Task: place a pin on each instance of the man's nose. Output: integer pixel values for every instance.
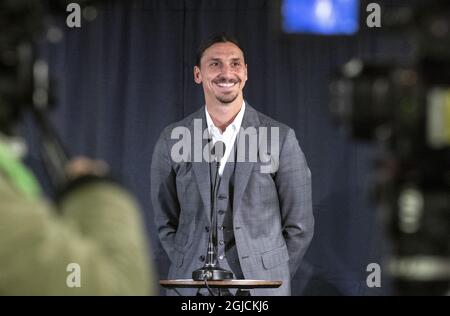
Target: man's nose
(225, 70)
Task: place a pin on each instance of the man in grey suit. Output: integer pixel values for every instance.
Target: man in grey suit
(264, 208)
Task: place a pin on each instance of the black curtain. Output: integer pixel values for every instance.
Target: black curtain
(123, 77)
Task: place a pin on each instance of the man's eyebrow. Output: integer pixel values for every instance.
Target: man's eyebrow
(214, 59)
(220, 59)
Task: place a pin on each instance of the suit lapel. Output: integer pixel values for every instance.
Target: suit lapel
(244, 169)
(201, 169)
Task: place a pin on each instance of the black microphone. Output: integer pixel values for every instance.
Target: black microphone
(211, 270)
(218, 151)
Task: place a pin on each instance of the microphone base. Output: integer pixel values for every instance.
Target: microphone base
(212, 274)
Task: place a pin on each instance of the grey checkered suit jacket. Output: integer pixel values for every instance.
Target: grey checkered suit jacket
(272, 212)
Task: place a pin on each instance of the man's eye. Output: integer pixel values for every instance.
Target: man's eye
(214, 64)
(236, 64)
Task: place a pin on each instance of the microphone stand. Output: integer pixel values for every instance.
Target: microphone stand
(212, 270)
(54, 154)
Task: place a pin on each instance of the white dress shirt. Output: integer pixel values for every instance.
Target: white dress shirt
(228, 136)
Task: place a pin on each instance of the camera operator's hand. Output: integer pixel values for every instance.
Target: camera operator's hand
(81, 171)
(83, 166)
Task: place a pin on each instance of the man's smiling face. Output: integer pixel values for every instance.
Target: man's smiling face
(222, 72)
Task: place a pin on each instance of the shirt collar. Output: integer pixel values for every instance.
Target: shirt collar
(236, 124)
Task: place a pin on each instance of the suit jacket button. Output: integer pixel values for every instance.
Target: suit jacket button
(202, 258)
(221, 212)
(207, 229)
(222, 197)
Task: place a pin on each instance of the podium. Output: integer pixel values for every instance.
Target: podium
(224, 284)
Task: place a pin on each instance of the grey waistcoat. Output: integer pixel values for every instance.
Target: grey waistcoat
(228, 257)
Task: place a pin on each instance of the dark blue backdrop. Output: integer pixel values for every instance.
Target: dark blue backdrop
(124, 76)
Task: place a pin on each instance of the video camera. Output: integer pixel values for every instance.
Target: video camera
(25, 83)
(405, 106)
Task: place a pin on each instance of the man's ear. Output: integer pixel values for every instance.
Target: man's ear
(246, 72)
(197, 75)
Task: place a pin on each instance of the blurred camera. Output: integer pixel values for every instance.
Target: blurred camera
(406, 108)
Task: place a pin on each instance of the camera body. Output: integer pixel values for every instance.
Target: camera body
(405, 107)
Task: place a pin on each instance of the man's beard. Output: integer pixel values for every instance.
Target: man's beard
(227, 99)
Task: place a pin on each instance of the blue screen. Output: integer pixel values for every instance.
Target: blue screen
(328, 17)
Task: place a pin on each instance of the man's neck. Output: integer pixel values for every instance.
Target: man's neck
(223, 115)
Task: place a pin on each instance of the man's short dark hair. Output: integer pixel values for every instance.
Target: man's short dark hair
(215, 38)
